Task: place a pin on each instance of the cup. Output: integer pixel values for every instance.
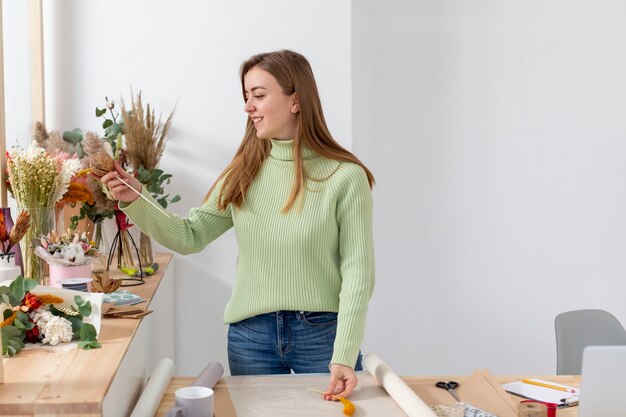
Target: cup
(195, 401)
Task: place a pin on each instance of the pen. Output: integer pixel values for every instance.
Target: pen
(542, 384)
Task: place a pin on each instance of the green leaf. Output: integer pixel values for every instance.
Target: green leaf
(77, 323)
(100, 112)
(107, 123)
(85, 309)
(23, 317)
(17, 290)
(92, 344)
(79, 150)
(7, 313)
(111, 133)
(73, 136)
(88, 332)
(12, 340)
(18, 324)
(156, 173)
(176, 199)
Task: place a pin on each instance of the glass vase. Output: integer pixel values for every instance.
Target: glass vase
(41, 222)
(125, 249)
(100, 239)
(145, 250)
(101, 243)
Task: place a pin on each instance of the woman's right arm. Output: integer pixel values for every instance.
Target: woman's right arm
(183, 235)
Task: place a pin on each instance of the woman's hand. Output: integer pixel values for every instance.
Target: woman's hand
(343, 381)
(119, 190)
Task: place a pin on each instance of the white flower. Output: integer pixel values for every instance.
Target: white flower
(54, 328)
(70, 167)
(58, 330)
(34, 150)
(74, 253)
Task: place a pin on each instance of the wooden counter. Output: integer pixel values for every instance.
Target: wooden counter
(98, 382)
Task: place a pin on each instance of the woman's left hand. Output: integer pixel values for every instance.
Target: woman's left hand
(343, 381)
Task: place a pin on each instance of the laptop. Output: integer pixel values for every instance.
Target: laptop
(602, 385)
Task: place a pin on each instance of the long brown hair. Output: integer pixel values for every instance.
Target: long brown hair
(294, 75)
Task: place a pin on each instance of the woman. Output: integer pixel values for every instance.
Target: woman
(302, 210)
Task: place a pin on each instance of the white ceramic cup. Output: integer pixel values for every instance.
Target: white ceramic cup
(195, 401)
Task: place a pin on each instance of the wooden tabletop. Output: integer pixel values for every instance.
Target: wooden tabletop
(221, 408)
(59, 381)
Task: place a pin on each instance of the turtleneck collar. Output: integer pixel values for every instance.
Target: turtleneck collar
(283, 150)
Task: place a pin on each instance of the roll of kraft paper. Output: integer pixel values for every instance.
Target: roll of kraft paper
(154, 390)
(209, 377)
(404, 396)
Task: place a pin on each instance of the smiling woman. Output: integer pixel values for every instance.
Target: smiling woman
(301, 207)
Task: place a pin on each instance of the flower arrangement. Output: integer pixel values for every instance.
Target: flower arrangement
(42, 318)
(67, 249)
(96, 206)
(38, 180)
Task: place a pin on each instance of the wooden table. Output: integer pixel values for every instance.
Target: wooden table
(60, 382)
(179, 382)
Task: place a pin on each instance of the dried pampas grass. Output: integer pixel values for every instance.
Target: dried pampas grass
(52, 141)
(145, 134)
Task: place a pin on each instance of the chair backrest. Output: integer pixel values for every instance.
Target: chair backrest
(578, 329)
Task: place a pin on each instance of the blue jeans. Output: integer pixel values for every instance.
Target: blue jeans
(283, 341)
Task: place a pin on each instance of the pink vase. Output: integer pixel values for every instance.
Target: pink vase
(60, 272)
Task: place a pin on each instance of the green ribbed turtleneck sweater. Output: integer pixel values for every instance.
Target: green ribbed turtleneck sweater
(319, 258)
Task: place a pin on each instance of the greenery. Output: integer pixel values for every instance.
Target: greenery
(115, 130)
(155, 180)
(20, 322)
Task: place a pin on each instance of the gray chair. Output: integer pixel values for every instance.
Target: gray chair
(578, 329)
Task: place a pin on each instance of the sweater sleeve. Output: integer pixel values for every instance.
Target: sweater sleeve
(356, 251)
(183, 235)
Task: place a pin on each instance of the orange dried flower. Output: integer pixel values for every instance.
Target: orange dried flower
(348, 407)
(19, 228)
(9, 320)
(49, 299)
(3, 230)
(76, 193)
(31, 301)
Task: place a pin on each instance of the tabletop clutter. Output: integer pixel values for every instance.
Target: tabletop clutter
(381, 392)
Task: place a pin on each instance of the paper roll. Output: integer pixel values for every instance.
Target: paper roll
(397, 389)
(209, 376)
(154, 390)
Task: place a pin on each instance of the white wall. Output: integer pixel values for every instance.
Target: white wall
(496, 130)
(17, 92)
(187, 54)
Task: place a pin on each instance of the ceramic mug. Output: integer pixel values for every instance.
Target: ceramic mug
(193, 402)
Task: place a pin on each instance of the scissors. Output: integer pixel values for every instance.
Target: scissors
(451, 386)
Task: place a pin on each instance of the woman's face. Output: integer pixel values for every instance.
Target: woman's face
(272, 112)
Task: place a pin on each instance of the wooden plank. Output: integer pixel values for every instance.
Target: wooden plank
(3, 132)
(57, 382)
(38, 104)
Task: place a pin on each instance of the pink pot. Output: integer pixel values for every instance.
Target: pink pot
(60, 272)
